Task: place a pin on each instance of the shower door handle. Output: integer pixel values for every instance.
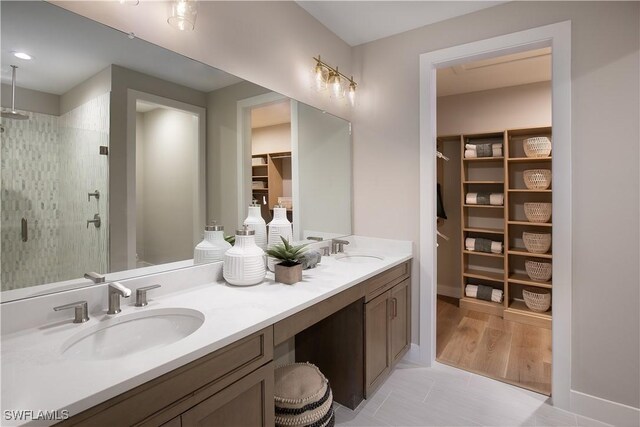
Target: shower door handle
(24, 230)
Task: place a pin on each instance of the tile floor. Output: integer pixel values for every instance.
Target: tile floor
(446, 396)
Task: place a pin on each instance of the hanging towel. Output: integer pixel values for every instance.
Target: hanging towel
(440, 210)
(486, 293)
(482, 245)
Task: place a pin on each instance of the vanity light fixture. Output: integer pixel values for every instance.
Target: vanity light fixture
(183, 14)
(22, 55)
(130, 2)
(324, 75)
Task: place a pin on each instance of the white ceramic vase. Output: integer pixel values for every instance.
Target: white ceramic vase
(256, 223)
(244, 263)
(279, 226)
(213, 247)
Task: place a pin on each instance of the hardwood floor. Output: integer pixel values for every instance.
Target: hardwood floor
(508, 351)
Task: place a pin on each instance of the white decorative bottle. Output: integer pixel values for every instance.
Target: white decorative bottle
(257, 224)
(279, 226)
(244, 262)
(213, 247)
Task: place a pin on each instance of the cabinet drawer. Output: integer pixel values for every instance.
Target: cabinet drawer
(386, 280)
(166, 397)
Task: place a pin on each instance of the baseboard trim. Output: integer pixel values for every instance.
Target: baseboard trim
(604, 410)
(413, 355)
(449, 291)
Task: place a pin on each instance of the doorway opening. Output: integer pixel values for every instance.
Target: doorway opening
(271, 157)
(493, 306)
(167, 153)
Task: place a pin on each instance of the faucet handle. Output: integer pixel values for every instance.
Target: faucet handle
(81, 310)
(317, 239)
(141, 295)
(337, 245)
(95, 277)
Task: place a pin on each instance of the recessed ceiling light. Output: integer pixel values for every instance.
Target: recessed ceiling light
(22, 55)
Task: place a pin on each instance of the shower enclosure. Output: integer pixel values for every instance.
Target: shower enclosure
(54, 187)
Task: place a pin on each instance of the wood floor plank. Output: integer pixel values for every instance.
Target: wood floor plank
(464, 343)
(493, 353)
(509, 351)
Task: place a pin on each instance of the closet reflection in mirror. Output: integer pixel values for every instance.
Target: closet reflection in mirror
(147, 141)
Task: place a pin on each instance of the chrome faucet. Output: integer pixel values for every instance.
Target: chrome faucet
(117, 290)
(337, 245)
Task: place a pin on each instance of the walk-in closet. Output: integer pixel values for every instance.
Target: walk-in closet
(494, 219)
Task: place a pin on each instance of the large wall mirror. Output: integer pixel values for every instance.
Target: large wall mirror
(121, 151)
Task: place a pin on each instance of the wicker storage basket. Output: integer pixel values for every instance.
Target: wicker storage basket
(537, 299)
(537, 212)
(540, 146)
(537, 270)
(537, 179)
(537, 243)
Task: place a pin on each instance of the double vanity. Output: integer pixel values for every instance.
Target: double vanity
(202, 352)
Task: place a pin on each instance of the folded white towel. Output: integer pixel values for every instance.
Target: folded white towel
(471, 151)
(496, 199)
(471, 198)
(472, 292)
(470, 154)
(470, 245)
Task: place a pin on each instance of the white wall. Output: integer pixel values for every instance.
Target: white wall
(271, 139)
(495, 110)
(169, 140)
(605, 111)
(31, 100)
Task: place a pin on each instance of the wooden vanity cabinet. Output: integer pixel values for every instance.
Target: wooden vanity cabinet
(231, 386)
(387, 323)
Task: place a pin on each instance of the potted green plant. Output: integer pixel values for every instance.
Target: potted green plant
(289, 269)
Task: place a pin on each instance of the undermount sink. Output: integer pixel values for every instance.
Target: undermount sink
(358, 258)
(132, 333)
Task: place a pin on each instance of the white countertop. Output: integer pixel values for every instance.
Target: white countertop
(35, 376)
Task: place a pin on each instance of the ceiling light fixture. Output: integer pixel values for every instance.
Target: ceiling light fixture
(325, 76)
(183, 14)
(22, 55)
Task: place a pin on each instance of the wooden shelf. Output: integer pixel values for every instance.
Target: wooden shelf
(524, 252)
(484, 275)
(529, 159)
(260, 176)
(519, 312)
(484, 230)
(523, 279)
(482, 159)
(259, 189)
(525, 190)
(483, 254)
(534, 224)
(484, 206)
(482, 306)
(484, 182)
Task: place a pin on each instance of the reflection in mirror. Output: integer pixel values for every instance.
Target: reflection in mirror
(129, 149)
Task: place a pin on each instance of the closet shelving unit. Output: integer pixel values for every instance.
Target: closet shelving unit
(502, 223)
(271, 172)
(517, 194)
(482, 174)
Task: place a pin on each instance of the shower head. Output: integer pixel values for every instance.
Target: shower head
(13, 114)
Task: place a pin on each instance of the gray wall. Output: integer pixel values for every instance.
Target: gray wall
(168, 141)
(222, 143)
(31, 100)
(605, 111)
(122, 174)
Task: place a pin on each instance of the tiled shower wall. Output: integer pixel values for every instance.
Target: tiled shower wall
(49, 165)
